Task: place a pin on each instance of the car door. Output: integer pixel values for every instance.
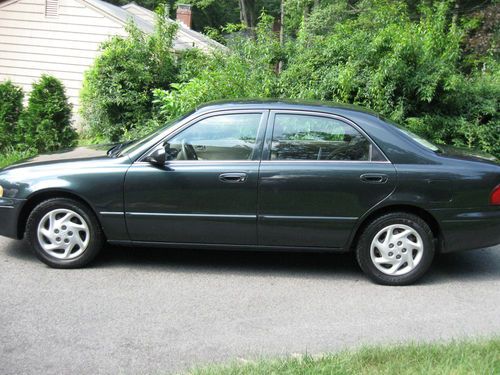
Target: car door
(319, 174)
(207, 193)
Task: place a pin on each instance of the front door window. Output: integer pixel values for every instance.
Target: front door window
(222, 137)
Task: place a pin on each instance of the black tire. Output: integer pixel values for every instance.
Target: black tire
(95, 241)
(363, 248)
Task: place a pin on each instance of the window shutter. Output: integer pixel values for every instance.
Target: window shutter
(51, 8)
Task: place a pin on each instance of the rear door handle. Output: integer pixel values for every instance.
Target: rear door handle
(374, 178)
(233, 177)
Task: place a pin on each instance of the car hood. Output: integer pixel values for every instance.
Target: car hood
(84, 153)
(468, 154)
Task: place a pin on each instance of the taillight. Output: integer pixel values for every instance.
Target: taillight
(495, 196)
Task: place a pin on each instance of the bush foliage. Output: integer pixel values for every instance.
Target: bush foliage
(117, 92)
(11, 106)
(410, 65)
(408, 70)
(246, 72)
(45, 125)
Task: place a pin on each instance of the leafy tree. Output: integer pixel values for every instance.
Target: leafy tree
(482, 41)
(210, 14)
(378, 55)
(466, 116)
(206, 13)
(117, 90)
(11, 106)
(374, 53)
(246, 72)
(46, 123)
(216, 14)
(380, 59)
(407, 59)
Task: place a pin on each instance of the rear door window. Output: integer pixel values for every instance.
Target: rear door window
(310, 137)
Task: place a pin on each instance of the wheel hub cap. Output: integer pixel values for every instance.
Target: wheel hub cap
(63, 234)
(396, 250)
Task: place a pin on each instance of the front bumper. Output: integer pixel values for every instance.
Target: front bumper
(10, 210)
(467, 229)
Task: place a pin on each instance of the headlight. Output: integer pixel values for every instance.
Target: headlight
(1, 191)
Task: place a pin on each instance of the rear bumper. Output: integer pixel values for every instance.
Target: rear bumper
(467, 229)
(9, 216)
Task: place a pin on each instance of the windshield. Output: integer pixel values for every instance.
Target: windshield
(136, 144)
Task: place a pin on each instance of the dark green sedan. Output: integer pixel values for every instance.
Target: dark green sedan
(267, 175)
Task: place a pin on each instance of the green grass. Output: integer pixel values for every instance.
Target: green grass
(13, 156)
(477, 357)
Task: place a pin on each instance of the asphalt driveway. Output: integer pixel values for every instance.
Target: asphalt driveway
(149, 311)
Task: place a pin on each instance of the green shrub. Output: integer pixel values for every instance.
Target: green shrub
(11, 155)
(117, 90)
(466, 116)
(11, 106)
(46, 123)
(380, 59)
(247, 71)
(190, 62)
(411, 71)
(409, 64)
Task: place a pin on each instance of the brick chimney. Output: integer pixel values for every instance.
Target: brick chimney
(184, 14)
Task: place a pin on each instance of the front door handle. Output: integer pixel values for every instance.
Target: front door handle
(233, 177)
(374, 178)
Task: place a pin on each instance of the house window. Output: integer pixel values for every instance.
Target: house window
(51, 8)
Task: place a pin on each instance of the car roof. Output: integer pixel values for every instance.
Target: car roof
(284, 104)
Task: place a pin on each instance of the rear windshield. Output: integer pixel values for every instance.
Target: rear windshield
(421, 141)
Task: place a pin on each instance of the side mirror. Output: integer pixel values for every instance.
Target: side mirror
(157, 158)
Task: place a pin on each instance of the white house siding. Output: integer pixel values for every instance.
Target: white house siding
(64, 46)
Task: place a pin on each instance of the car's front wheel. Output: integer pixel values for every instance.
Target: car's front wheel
(64, 233)
(396, 249)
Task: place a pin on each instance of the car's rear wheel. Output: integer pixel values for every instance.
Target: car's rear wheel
(396, 249)
(64, 233)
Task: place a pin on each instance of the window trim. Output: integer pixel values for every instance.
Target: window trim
(259, 140)
(266, 152)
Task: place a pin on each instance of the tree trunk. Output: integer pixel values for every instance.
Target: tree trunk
(247, 13)
(282, 32)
